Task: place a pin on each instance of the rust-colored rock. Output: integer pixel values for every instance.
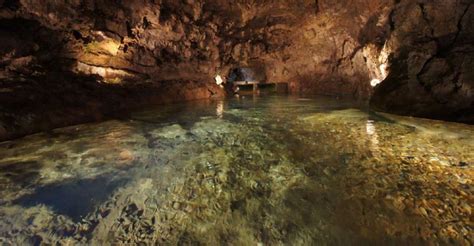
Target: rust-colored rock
(419, 52)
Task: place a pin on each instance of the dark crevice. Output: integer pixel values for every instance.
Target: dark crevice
(459, 24)
(391, 19)
(13, 5)
(316, 7)
(129, 29)
(165, 14)
(146, 23)
(78, 36)
(422, 71)
(425, 17)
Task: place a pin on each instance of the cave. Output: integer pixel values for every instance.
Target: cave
(250, 122)
(243, 80)
(242, 74)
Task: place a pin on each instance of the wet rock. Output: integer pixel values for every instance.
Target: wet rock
(176, 205)
(126, 156)
(363, 173)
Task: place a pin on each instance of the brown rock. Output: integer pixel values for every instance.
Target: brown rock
(166, 51)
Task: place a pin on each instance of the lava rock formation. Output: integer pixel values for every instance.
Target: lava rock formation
(66, 62)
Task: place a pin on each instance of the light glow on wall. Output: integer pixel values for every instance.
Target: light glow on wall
(111, 46)
(109, 75)
(219, 80)
(375, 82)
(381, 72)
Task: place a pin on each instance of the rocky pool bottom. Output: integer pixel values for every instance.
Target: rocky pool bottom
(256, 171)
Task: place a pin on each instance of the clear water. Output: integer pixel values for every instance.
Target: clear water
(255, 171)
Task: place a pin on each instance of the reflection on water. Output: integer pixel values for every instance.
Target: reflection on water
(220, 109)
(255, 171)
(372, 132)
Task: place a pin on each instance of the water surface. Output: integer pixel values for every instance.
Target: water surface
(252, 171)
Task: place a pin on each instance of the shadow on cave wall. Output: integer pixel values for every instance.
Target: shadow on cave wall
(27, 46)
(39, 90)
(36, 89)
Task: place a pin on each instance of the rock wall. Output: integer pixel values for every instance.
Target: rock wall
(420, 51)
(162, 40)
(431, 61)
(317, 45)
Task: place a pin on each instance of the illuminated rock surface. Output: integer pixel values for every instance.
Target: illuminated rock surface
(256, 171)
(265, 171)
(420, 51)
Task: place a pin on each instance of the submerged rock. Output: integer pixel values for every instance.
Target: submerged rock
(319, 176)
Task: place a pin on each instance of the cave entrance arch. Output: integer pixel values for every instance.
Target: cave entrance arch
(242, 74)
(243, 80)
(249, 80)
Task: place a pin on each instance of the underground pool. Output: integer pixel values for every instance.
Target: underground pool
(276, 170)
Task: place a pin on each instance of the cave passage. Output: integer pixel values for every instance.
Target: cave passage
(249, 122)
(247, 81)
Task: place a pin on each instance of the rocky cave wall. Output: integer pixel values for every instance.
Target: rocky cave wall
(431, 59)
(65, 62)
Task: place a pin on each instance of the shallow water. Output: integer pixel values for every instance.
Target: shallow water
(255, 171)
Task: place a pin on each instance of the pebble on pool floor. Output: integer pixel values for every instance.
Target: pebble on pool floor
(282, 172)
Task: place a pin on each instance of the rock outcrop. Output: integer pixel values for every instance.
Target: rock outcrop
(431, 60)
(87, 52)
